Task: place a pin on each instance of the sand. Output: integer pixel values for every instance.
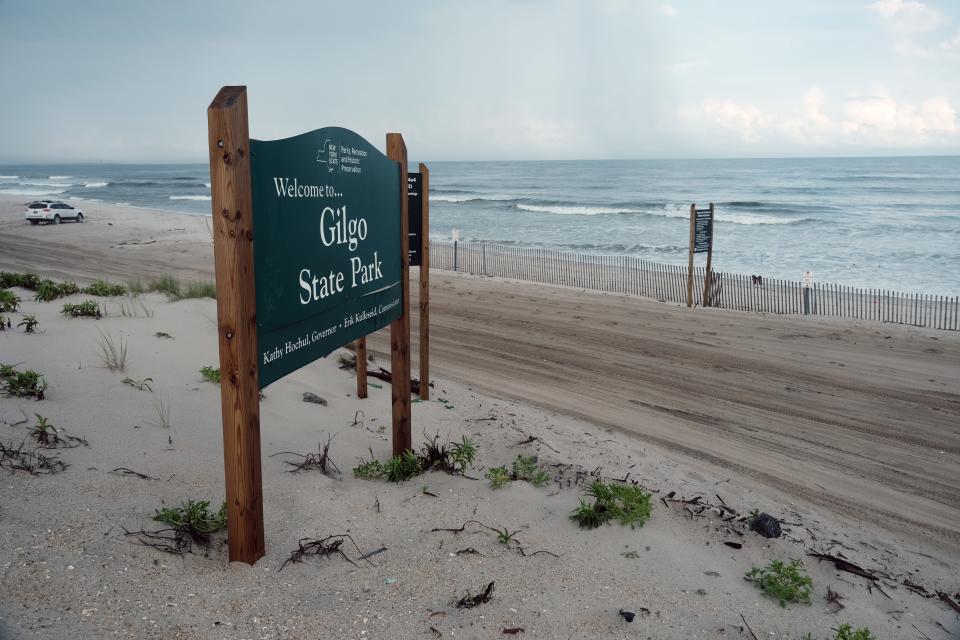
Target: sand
(848, 431)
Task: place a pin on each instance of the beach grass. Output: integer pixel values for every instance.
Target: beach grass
(113, 353)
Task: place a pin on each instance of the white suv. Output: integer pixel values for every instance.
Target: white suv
(52, 211)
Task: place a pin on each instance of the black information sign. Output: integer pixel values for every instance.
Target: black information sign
(415, 216)
(703, 231)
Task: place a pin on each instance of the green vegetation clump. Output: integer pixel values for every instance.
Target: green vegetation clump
(22, 384)
(43, 431)
(177, 290)
(194, 517)
(846, 632)
(498, 477)
(29, 323)
(85, 309)
(199, 289)
(625, 503)
(523, 468)
(24, 280)
(104, 289)
(371, 470)
(9, 301)
(784, 582)
(403, 467)
(210, 374)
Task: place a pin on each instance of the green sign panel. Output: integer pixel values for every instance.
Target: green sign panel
(326, 250)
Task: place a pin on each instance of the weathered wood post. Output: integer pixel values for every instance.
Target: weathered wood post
(232, 204)
(425, 283)
(360, 350)
(708, 274)
(693, 217)
(400, 328)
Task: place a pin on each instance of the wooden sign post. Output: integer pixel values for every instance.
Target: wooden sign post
(708, 276)
(328, 213)
(400, 328)
(425, 284)
(230, 193)
(419, 233)
(701, 240)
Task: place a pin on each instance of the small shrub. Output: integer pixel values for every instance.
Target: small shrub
(26, 280)
(371, 470)
(194, 517)
(9, 301)
(43, 431)
(85, 309)
(626, 503)
(402, 467)
(463, 454)
(29, 323)
(22, 384)
(784, 582)
(498, 477)
(104, 289)
(523, 468)
(113, 353)
(210, 374)
(505, 536)
(47, 290)
(846, 632)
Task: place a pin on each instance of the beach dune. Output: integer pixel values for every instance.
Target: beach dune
(847, 431)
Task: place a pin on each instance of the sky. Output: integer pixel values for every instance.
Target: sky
(487, 80)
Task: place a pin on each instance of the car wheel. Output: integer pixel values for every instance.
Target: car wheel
(79, 217)
(56, 219)
(34, 222)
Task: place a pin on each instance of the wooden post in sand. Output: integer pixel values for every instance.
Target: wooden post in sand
(232, 202)
(693, 217)
(360, 350)
(708, 275)
(425, 283)
(400, 328)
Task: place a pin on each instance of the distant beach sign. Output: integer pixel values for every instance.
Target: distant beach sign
(703, 231)
(327, 256)
(415, 215)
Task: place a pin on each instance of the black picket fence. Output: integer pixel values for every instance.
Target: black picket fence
(668, 283)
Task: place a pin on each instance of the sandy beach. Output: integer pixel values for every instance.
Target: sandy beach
(849, 432)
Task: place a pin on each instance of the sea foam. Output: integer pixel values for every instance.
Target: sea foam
(30, 192)
(190, 197)
(92, 185)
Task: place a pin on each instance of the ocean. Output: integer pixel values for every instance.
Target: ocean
(890, 223)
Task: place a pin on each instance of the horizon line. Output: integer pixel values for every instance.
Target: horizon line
(493, 160)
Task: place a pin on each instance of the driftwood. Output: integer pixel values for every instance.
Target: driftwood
(844, 565)
(16, 458)
(324, 547)
(383, 374)
(469, 602)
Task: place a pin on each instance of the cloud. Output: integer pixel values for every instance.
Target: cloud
(953, 44)
(911, 24)
(908, 15)
(667, 10)
(873, 119)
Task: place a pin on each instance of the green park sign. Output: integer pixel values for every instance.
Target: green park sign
(327, 256)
